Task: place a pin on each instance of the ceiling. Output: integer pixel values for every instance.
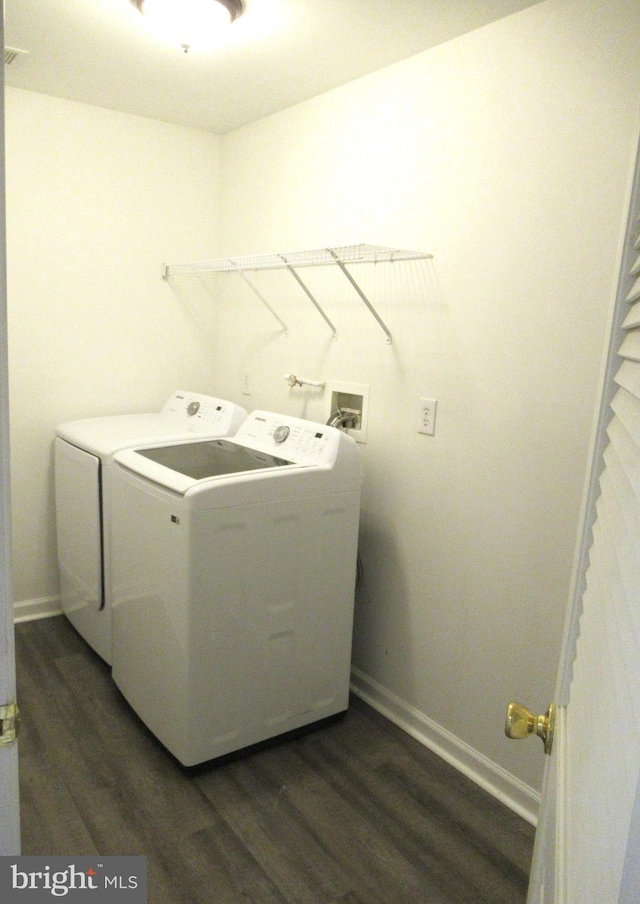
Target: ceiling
(277, 54)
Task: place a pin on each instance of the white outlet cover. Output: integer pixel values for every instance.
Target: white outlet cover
(427, 416)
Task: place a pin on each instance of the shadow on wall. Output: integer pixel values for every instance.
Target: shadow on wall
(381, 616)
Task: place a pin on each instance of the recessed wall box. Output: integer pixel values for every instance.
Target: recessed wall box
(352, 400)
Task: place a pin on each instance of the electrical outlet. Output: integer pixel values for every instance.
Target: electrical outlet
(246, 383)
(427, 421)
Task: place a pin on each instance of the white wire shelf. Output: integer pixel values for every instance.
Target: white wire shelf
(347, 254)
(341, 257)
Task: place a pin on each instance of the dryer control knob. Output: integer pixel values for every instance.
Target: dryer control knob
(281, 433)
(193, 408)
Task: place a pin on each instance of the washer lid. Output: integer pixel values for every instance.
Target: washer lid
(213, 458)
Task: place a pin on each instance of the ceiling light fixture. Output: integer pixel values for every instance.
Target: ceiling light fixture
(190, 24)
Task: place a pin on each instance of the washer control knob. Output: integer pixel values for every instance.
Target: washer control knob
(281, 433)
(193, 408)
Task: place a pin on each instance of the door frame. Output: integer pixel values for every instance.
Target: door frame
(10, 822)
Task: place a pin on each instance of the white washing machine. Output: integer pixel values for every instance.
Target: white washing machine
(84, 452)
(234, 577)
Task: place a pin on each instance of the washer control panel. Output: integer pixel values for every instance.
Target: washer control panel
(201, 413)
(295, 439)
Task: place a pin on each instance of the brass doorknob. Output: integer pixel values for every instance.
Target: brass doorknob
(521, 723)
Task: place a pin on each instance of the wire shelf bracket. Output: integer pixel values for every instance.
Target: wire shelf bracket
(309, 294)
(346, 255)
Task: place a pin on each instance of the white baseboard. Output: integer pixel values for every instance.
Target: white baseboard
(28, 610)
(515, 794)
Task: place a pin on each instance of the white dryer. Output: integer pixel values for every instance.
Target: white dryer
(234, 565)
(84, 452)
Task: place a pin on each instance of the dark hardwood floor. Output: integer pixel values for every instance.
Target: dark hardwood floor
(355, 811)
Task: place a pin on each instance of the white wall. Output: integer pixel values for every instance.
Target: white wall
(96, 201)
(507, 154)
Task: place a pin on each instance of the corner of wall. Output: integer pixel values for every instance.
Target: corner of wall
(505, 787)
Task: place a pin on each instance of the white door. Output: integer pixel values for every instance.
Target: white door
(588, 841)
(9, 809)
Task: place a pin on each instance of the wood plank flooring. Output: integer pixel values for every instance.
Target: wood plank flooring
(355, 811)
